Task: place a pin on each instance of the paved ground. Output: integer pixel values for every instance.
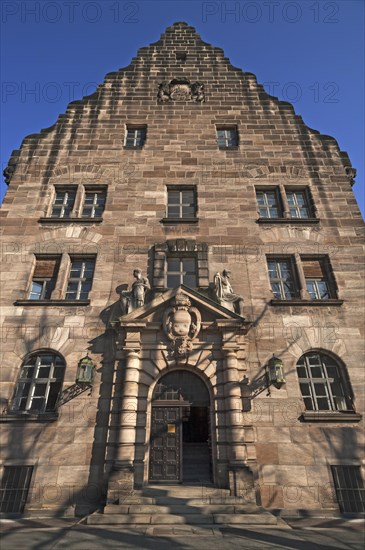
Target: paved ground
(300, 534)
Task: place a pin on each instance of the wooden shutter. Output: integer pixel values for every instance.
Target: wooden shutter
(46, 268)
(313, 269)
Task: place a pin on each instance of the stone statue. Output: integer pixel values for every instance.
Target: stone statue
(134, 298)
(181, 324)
(224, 293)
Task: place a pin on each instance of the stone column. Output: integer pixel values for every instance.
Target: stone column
(240, 477)
(284, 200)
(121, 481)
(304, 294)
(233, 407)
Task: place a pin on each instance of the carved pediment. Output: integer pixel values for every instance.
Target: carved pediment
(156, 308)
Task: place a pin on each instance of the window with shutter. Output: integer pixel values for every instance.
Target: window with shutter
(317, 279)
(44, 278)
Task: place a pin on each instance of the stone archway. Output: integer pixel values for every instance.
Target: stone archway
(180, 450)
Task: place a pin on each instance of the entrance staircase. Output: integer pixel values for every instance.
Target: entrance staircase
(183, 504)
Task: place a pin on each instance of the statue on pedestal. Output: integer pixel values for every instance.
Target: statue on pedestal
(224, 293)
(134, 298)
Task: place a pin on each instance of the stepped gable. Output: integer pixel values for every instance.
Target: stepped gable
(134, 89)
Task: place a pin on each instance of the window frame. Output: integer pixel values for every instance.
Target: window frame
(81, 279)
(326, 361)
(18, 492)
(97, 190)
(65, 189)
(351, 487)
(278, 202)
(327, 277)
(284, 207)
(280, 280)
(224, 144)
(308, 203)
(33, 381)
(44, 280)
(135, 128)
(181, 218)
(181, 273)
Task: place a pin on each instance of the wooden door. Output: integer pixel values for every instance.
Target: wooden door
(165, 451)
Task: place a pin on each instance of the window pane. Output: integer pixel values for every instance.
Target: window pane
(37, 404)
(190, 280)
(174, 197)
(36, 291)
(189, 265)
(39, 390)
(320, 389)
(173, 264)
(301, 372)
(188, 212)
(174, 211)
(316, 372)
(43, 372)
(173, 281)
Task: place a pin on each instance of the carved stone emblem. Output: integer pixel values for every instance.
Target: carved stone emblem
(181, 324)
(181, 89)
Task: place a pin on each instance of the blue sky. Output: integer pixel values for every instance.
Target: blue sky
(308, 52)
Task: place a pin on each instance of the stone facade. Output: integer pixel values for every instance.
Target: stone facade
(180, 91)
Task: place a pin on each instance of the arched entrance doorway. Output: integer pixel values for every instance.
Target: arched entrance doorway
(180, 430)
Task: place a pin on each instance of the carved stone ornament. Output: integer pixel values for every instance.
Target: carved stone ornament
(181, 324)
(134, 298)
(181, 89)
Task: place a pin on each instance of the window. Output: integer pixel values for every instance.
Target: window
(268, 202)
(181, 203)
(349, 487)
(177, 261)
(39, 383)
(181, 270)
(136, 136)
(15, 488)
(316, 278)
(80, 279)
(282, 204)
(322, 383)
(298, 204)
(94, 203)
(282, 280)
(181, 56)
(44, 278)
(227, 137)
(63, 203)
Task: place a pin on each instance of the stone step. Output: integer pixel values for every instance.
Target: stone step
(178, 509)
(263, 518)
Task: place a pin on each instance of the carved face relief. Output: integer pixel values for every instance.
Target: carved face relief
(181, 322)
(181, 325)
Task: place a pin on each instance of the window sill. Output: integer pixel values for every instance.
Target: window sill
(330, 416)
(173, 221)
(17, 416)
(231, 148)
(52, 303)
(70, 220)
(298, 221)
(297, 302)
(133, 148)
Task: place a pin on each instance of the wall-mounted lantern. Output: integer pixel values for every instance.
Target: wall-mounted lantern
(275, 372)
(85, 372)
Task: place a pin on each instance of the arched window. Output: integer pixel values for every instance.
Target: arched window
(39, 383)
(323, 384)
